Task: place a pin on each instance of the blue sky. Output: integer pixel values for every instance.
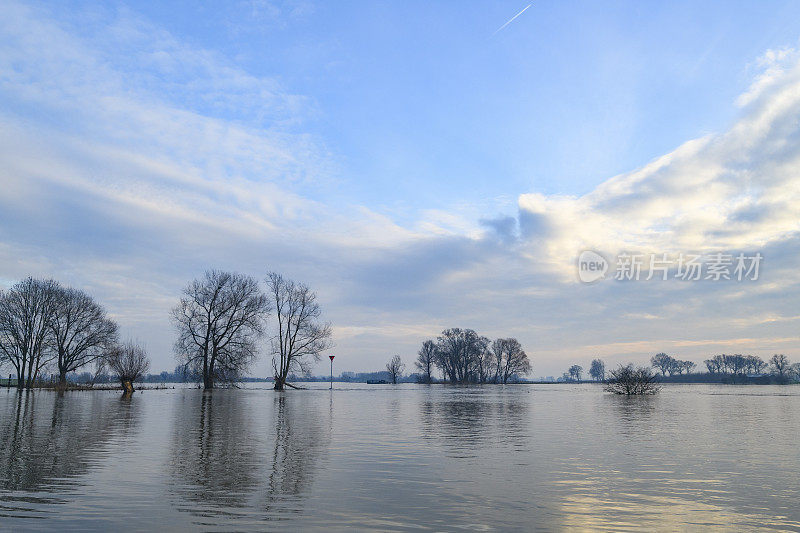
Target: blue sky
(366, 148)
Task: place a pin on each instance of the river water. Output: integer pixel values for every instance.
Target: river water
(406, 457)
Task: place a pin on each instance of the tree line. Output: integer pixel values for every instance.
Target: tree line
(221, 321)
(463, 356)
(779, 366)
(45, 325)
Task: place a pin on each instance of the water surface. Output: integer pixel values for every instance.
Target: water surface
(520, 457)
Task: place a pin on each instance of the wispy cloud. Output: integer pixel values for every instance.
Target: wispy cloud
(122, 175)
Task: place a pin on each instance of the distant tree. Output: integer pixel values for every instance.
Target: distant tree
(755, 365)
(514, 360)
(712, 365)
(301, 338)
(457, 354)
(663, 362)
(100, 367)
(219, 321)
(395, 368)
(780, 365)
(631, 381)
(128, 363)
(575, 372)
(80, 331)
(426, 358)
(597, 370)
(26, 310)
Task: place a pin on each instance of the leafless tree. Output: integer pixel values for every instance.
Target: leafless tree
(425, 360)
(663, 362)
(395, 368)
(457, 353)
(26, 310)
(688, 366)
(632, 381)
(300, 337)
(513, 359)
(575, 372)
(128, 363)
(713, 365)
(780, 365)
(219, 321)
(755, 364)
(80, 331)
(598, 370)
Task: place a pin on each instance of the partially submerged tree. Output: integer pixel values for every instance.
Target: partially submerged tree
(457, 354)
(219, 321)
(80, 331)
(128, 363)
(631, 381)
(426, 358)
(26, 310)
(300, 337)
(395, 368)
(511, 359)
(597, 370)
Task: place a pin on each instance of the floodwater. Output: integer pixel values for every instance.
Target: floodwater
(520, 457)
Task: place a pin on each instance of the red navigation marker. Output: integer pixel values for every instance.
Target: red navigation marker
(331, 356)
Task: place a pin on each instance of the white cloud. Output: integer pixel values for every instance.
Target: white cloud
(130, 164)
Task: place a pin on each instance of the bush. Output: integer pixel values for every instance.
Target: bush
(632, 381)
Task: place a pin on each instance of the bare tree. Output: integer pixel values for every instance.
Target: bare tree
(301, 338)
(425, 360)
(457, 353)
(688, 366)
(713, 365)
(128, 363)
(780, 365)
(663, 362)
(80, 331)
(219, 321)
(395, 368)
(755, 364)
(575, 372)
(632, 381)
(514, 359)
(598, 370)
(26, 310)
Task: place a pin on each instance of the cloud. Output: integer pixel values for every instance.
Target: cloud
(133, 161)
(735, 190)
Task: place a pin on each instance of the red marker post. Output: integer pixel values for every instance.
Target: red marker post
(331, 356)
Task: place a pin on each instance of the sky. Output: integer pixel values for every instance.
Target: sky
(418, 166)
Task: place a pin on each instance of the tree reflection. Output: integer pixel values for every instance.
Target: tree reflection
(302, 435)
(471, 417)
(47, 440)
(232, 459)
(216, 457)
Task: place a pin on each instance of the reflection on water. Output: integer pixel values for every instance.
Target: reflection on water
(215, 453)
(234, 456)
(48, 441)
(407, 457)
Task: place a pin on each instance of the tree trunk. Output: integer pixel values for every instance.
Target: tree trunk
(279, 383)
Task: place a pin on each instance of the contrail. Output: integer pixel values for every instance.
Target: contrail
(511, 20)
